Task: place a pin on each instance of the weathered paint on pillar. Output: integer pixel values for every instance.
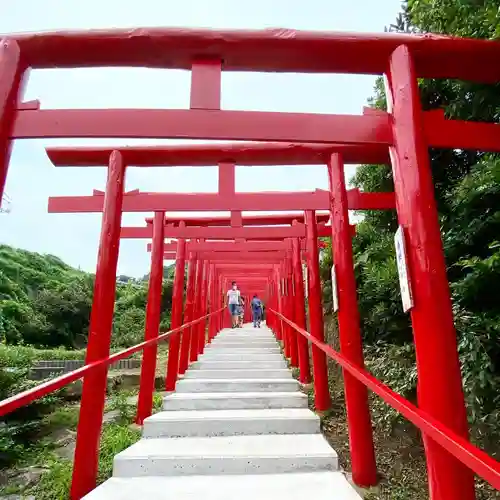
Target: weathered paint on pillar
(300, 313)
(11, 86)
(440, 391)
(320, 371)
(177, 309)
(99, 338)
(153, 316)
(188, 314)
(363, 465)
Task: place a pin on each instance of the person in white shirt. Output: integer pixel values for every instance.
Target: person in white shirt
(233, 302)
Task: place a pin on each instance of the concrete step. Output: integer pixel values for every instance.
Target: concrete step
(234, 400)
(237, 385)
(223, 355)
(244, 348)
(294, 486)
(238, 374)
(238, 365)
(239, 343)
(230, 423)
(269, 454)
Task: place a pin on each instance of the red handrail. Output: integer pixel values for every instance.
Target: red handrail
(473, 457)
(14, 402)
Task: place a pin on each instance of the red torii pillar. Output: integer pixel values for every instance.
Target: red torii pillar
(300, 312)
(153, 315)
(440, 392)
(99, 340)
(188, 313)
(173, 363)
(364, 468)
(321, 390)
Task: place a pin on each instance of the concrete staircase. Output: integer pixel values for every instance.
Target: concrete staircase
(237, 428)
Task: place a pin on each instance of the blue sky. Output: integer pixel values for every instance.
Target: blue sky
(32, 179)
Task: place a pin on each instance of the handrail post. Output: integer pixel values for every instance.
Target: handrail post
(320, 369)
(99, 338)
(11, 87)
(153, 315)
(440, 391)
(193, 351)
(173, 363)
(300, 312)
(188, 314)
(364, 468)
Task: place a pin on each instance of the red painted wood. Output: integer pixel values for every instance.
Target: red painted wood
(199, 155)
(193, 351)
(153, 313)
(175, 202)
(11, 76)
(269, 50)
(439, 380)
(364, 468)
(247, 220)
(206, 84)
(176, 315)
(99, 338)
(474, 458)
(300, 312)
(188, 314)
(203, 124)
(202, 335)
(23, 398)
(292, 334)
(219, 233)
(321, 392)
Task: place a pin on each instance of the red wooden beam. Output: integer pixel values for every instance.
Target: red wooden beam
(370, 130)
(199, 155)
(217, 246)
(203, 124)
(219, 233)
(175, 202)
(246, 257)
(269, 50)
(247, 220)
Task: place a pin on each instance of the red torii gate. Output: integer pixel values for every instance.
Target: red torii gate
(362, 449)
(405, 129)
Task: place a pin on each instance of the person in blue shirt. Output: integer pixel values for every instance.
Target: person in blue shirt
(256, 311)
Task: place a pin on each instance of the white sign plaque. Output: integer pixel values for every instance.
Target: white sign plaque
(404, 280)
(334, 290)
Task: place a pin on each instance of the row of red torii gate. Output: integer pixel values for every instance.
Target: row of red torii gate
(265, 253)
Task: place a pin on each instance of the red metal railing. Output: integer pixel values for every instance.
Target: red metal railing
(477, 460)
(13, 403)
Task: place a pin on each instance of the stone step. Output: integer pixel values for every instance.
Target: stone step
(230, 423)
(238, 374)
(237, 385)
(324, 485)
(268, 454)
(234, 400)
(238, 365)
